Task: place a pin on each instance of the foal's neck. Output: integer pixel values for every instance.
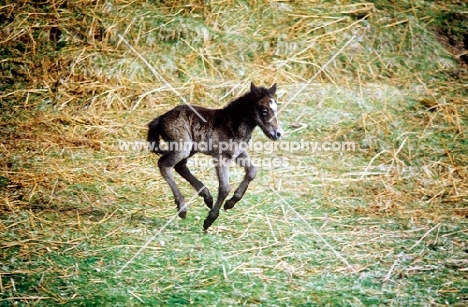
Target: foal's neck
(239, 116)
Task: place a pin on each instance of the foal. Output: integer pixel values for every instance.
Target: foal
(220, 133)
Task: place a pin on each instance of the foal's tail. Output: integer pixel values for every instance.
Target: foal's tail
(153, 137)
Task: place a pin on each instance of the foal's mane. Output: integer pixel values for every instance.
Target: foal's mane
(246, 102)
(241, 110)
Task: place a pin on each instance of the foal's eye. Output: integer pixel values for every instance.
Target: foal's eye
(265, 112)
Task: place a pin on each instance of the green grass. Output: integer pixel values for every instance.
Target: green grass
(283, 265)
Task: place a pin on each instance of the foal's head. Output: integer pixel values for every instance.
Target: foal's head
(266, 111)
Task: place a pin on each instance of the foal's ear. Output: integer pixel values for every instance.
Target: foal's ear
(272, 89)
(254, 89)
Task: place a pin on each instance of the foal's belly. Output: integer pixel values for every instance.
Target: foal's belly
(226, 149)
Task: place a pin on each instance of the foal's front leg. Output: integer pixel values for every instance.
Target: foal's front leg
(222, 171)
(250, 172)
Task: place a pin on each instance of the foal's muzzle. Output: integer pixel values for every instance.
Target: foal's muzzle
(276, 133)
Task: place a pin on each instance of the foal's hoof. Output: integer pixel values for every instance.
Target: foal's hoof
(206, 224)
(183, 214)
(229, 204)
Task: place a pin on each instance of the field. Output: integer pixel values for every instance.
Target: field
(87, 220)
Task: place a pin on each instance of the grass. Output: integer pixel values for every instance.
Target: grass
(84, 223)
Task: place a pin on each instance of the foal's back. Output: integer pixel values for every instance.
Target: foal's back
(182, 123)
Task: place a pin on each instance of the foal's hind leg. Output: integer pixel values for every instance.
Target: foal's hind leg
(165, 164)
(250, 171)
(202, 190)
